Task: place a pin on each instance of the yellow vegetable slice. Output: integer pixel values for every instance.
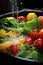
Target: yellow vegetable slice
(10, 18)
(21, 41)
(3, 32)
(5, 45)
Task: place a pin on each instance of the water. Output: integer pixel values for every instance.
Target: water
(15, 39)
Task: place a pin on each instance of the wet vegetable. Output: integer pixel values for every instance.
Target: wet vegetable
(22, 38)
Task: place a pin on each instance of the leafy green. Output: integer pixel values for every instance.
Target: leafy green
(30, 25)
(30, 53)
(15, 23)
(27, 27)
(21, 24)
(33, 55)
(22, 47)
(23, 54)
(25, 50)
(8, 24)
(3, 38)
(22, 27)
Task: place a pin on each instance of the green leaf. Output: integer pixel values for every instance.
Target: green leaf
(30, 25)
(22, 47)
(2, 38)
(23, 54)
(21, 24)
(8, 24)
(35, 56)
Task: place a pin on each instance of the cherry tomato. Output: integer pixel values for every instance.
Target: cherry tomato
(21, 18)
(34, 35)
(41, 33)
(14, 49)
(39, 43)
(28, 40)
(41, 20)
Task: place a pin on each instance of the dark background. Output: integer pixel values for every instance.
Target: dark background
(5, 5)
(2, 6)
(33, 3)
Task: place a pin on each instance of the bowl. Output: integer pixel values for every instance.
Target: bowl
(13, 59)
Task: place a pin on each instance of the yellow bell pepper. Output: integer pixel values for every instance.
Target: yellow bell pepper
(31, 15)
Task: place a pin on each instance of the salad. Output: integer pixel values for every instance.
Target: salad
(22, 36)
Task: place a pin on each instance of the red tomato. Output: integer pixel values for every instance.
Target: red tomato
(28, 40)
(21, 18)
(41, 33)
(14, 49)
(34, 35)
(39, 43)
(41, 20)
